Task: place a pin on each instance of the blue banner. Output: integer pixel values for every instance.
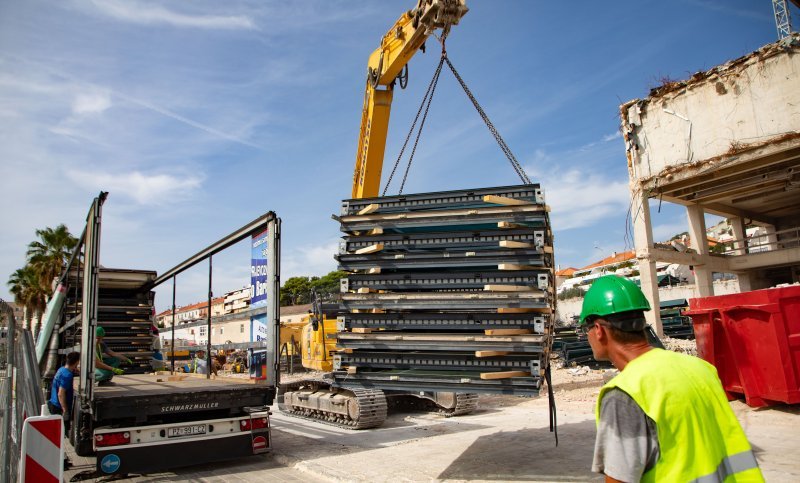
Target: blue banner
(258, 328)
(258, 270)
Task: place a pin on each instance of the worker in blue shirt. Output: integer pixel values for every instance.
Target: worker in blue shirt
(61, 393)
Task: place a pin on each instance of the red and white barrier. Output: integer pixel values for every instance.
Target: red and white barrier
(42, 450)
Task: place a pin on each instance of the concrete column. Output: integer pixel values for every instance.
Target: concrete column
(739, 233)
(643, 239)
(699, 242)
(745, 283)
(772, 238)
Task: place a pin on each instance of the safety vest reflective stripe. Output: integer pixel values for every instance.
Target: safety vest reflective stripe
(731, 465)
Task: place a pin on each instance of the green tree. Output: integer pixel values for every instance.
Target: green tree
(32, 284)
(327, 287)
(296, 291)
(48, 255)
(25, 286)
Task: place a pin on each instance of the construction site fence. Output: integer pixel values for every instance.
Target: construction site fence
(21, 393)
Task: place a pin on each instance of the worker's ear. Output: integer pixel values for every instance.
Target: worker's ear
(601, 332)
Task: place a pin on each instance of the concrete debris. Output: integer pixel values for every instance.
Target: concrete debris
(680, 345)
(577, 371)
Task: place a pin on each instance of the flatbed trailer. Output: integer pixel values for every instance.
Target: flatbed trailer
(145, 421)
(153, 422)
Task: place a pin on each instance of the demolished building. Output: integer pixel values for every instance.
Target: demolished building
(726, 142)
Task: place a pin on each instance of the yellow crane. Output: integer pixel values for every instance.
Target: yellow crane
(387, 66)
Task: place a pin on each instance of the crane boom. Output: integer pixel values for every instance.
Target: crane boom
(386, 63)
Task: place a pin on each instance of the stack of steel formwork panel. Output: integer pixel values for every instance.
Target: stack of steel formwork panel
(447, 291)
(124, 310)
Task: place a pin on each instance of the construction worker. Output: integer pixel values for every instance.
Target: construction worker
(61, 392)
(106, 362)
(665, 417)
(199, 364)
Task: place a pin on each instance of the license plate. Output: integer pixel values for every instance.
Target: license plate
(180, 431)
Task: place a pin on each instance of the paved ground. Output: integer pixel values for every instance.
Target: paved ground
(507, 439)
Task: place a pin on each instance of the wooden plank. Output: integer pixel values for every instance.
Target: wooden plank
(352, 369)
(514, 266)
(515, 244)
(507, 331)
(504, 200)
(361, 330)
(534, 310)
(509, 288)
(509, 225)
(491, 353)
(345, 351)
(371, 208)
(364, 290)
(504, 374)
(370, 249)
(374, 271)
(375, 231)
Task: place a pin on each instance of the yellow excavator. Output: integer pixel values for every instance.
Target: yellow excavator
(367, 408)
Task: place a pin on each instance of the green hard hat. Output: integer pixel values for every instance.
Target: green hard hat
(100, 332)
(611, 295)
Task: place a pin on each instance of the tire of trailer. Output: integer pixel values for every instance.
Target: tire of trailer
(81, 434)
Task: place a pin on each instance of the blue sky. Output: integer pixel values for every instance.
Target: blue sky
(199, 116)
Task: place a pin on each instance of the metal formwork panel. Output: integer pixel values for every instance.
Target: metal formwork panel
(447, 342)
(452, 260)
(443, 199)
(532, 216)
(443, 381)
(451, 280)
(430, 321)
(434, 361)
(470, 240)
(452, 301)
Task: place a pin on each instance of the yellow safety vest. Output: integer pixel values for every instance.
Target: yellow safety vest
(699, 437)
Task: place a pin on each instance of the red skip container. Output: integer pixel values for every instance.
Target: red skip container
(753, 339)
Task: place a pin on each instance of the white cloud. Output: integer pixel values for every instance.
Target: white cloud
(612, 136)
(582, 198)
(142, 13)
(143, 188)
(666, 231)
(91, 102)
(309, 260)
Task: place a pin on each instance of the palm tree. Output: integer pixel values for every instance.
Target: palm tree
(28, 293)
(47, 257)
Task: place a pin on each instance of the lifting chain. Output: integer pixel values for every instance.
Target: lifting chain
(503, 146)
(426, 104)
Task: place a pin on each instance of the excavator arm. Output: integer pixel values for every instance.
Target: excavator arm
(386, 63)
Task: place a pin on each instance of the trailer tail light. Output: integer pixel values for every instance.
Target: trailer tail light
(255, 423)
(112, 439)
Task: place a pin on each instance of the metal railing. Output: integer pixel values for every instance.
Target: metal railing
(778, 240)
(21, 395)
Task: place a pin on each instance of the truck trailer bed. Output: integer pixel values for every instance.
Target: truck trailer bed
(164, 397)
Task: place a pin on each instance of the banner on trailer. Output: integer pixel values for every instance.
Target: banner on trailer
(258, 269)
(258, 330)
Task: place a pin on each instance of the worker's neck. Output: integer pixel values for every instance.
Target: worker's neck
(622, 354)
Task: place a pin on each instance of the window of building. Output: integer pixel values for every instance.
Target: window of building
(202, 331)
(221, 330)
(241, 328)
